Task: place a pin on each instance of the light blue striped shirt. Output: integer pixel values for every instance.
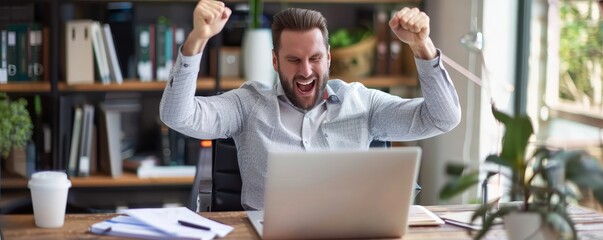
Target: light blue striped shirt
(261, 119)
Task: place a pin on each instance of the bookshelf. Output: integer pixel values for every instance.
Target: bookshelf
(59, 97)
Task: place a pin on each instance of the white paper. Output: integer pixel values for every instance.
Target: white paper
(166, 220)
(420, 216)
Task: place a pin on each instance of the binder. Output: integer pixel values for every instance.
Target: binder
(35, 53)
(17, 49)
(112, 55)
(145, 51)
(46, 54)
(110, 142)
(79, 64)
(382, 46)
(3, 67)
(86, 141)
(72, 168)
(163, 49)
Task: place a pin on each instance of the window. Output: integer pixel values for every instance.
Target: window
(575, 84)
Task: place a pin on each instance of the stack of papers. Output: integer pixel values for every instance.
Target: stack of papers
(420, 216)
(161, 223)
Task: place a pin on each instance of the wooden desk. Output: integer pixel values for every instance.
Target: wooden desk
(588, 222)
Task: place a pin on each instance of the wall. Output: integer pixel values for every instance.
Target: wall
(450, 20)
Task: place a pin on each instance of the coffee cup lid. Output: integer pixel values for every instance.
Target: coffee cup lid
(49, 179)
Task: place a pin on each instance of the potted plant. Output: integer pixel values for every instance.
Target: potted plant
(544, 183)
(15, 125)
(352, 52)
(257, 48)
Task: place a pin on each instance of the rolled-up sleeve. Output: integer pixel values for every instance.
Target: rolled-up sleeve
(200, 117)
(438, 111)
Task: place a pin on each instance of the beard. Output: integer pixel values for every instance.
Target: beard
(290, 88)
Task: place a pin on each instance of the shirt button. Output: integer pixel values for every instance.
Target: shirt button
(185, 65)
(305, 142)
(326, 135)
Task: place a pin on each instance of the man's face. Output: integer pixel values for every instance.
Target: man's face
(303, 66)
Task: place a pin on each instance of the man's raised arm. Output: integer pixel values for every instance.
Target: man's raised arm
(209, 18)
(179, 109)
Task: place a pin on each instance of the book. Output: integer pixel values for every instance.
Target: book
(420, 216)
(86, 140)
(162, 223)
(100, 54)
(163, 49)
(381, 28)
(113, 62)
(79, 61)
(35, 52)
(75, 141)
(17, 49)
(179, 38)
(110, 141)
(3, 64)
(46, 54)
(140, 161)
(145, 51)
(166, 171)
(112, 132)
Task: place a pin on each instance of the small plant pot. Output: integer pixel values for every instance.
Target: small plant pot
(257, 56)
(355, 60)
(528, 226)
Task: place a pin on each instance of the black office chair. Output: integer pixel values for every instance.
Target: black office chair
(223, 191)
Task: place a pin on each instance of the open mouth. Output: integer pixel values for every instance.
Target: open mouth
(305, 87)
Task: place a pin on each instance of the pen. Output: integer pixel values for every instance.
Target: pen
(193, 225)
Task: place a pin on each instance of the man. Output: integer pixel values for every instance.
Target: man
(305, 111)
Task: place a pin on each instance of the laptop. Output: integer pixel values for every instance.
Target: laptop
(343, 194)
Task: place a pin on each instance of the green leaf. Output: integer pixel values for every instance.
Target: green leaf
(455, 169)
(459, 185)
(598, 194)
(581, 169)
(515, 139)
(500, 116)
(562, 223)
(539, 155)
(500, 161)
(15, 124)
(482, 210)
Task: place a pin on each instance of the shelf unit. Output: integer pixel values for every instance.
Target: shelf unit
(56, 89)
(203, 84)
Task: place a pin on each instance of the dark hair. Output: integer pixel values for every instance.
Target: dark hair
(297, 19)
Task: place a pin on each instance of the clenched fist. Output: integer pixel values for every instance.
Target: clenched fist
(209, 18)
(411, 26)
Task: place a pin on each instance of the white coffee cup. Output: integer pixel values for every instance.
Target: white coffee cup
(49, 197)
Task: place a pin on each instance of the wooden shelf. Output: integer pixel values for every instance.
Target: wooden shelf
(382, 81)
(126, 180)
(202, 84)
(131, 85)
(373, 82)
(266, 1)
(25, 87)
